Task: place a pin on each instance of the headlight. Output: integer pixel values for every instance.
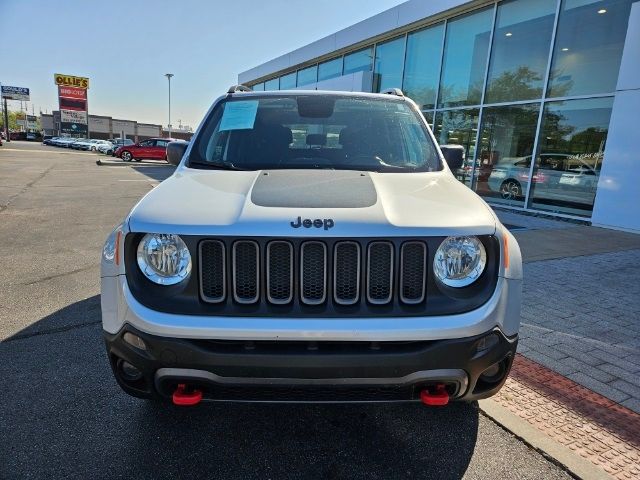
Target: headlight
(459, 261)
(164, 259)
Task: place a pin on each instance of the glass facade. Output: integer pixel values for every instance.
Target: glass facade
(387, 72)
(287, 82)
(330, 69)
(570, 152)
(422, 66)
(308, 76)
(360, 61)
(507, 137)
(520, 50)
(465, 59)
(459, 127)
(504, 78)
(588, 49)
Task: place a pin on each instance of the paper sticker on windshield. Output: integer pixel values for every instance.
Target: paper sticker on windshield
(239, 115)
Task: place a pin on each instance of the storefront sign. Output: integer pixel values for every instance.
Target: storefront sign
(15, 93)
(71, 81)
(72, 116)
(71, 92)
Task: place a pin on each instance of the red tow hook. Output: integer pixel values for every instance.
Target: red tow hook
(184, 398)
(437, 397)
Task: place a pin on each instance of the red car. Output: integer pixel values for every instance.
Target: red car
(154, 148)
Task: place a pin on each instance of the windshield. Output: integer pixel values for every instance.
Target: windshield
(315, 131)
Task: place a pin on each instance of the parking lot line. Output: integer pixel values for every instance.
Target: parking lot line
(45, 151)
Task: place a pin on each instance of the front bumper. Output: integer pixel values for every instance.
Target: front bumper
(310, 371)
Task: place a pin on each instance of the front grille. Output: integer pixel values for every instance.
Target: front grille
(380, 272)
(279, 272)
(213, 271)
(346, 277)
(246, 271)
(413, 258)
(313, 273)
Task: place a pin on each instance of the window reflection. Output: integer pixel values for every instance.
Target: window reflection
(520, 50)
(288, 82)
(258, 87)
(465, 59)
(360, 61)
(428, 116)
(506, 145)
(307, 76)
(588, 49)
(330, 69)
(459, 127)
(571, 147)
(272, 84)
(388, 65)
(422, 66)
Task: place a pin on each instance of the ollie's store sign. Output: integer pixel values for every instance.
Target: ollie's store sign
(72, 99)
(71, 81)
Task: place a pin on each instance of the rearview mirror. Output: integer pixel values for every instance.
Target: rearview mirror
(453, 155)
(175, 152)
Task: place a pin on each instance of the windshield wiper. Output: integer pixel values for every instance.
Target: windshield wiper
(215, 166)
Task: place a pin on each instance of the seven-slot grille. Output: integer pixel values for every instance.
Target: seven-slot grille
(345, 272)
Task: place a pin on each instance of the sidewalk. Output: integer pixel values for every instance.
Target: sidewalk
(577, 376)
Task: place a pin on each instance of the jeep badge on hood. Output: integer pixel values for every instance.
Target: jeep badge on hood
(327, 223)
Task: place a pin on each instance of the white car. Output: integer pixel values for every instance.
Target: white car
(95, 144)
(105, 147)
(344, 263)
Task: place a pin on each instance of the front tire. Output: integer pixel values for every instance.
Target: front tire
(511, 190)
(126, 156)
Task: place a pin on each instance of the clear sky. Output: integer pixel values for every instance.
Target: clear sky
(125, 47)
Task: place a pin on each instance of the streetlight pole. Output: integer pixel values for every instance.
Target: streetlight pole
(169, 75)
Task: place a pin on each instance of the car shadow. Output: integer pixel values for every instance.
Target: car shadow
(156, 171)
(62, 415)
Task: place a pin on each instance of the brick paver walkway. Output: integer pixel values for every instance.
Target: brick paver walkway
(581, 318)
(596, 428)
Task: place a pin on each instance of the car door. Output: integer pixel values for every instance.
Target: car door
(160, 149)
(144, 149)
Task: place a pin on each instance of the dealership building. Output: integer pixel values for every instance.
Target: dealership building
(543, 95)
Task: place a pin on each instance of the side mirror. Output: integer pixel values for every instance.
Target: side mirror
(453, 155)
(175, 152)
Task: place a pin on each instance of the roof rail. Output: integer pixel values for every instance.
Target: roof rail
(238, 88)
(393, 91)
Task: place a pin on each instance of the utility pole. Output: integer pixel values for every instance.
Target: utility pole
(169, 75)
(6, 120)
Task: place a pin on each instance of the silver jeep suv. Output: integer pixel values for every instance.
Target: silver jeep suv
(313, 247)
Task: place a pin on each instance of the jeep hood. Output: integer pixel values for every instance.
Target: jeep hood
(266, 203)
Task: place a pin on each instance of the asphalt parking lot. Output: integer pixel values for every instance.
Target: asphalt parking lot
(63, 416)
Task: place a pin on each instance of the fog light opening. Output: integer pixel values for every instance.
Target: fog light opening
(486, 343)
(494, 374)
(134, 341)
(129, 372)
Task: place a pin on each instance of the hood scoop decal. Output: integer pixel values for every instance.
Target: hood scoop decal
(314, 189)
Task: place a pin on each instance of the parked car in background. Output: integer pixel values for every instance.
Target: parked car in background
(105, 146)
(88, 144)
(31, 137)
(153, 149)
(119, 142)
(96, 143)
(46, 138)
(78, 143)
(65, 142)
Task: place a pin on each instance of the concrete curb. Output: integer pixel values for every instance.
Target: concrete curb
(120, 163)
(573, 463)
